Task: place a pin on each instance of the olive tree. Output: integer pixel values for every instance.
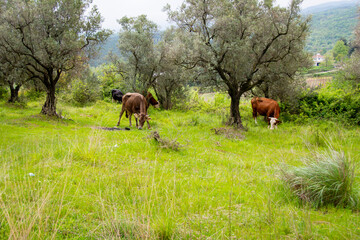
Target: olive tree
(171, 76)
(241, 41)
(283, 82)
(51, 37)
(12, 74)
(150, 59)
(137, 47)
(11, 77)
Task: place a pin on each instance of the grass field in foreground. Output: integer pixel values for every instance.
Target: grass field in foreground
(66, 179)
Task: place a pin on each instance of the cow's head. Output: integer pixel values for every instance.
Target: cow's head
(150, 99)
(274, 122)
(142, 118)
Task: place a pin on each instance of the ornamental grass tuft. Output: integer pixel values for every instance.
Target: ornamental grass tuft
(326, 179)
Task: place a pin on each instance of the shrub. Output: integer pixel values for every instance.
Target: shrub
(337, 101)
(110, 79)
(211, 102)
(33, 94)
(326, 179)
(3, 93)
(82, 91)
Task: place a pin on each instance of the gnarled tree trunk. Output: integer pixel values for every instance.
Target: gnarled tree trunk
(49, 107)
(235, 118)
(14, 97)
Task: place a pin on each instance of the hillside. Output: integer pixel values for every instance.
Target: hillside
(331, 22)
(329, 6)
(109, 46)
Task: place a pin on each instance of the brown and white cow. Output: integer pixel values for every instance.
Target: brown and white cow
(266, 107)
(135, 103)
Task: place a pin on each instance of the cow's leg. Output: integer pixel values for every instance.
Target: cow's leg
(121, 113)
(267, 118)
(136, 121)
(255, 114)
(130, 114)
(148, 124)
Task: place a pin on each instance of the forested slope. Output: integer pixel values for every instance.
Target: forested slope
(330, 23)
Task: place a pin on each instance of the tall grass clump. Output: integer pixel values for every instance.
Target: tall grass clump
(326, 179)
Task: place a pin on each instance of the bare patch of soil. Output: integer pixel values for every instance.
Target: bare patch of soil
(112, 128)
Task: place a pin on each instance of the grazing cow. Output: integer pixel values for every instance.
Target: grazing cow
(268, 108)
(117, 95)
(135, 103)
(150, 100)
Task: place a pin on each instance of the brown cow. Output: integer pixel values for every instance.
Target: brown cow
(268, 108)
(150, 100)
(135, 103)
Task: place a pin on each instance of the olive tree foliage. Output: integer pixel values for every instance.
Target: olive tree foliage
(242, 41)
(140, 60)
(150, 60)
(283, 82)
(12, 74)
(12, 77)
(171, 76)
(51, 37)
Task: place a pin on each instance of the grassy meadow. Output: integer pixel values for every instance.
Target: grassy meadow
(67, 179)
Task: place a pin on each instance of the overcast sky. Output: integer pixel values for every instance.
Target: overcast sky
(111, 10)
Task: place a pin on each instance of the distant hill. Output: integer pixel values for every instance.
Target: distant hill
(330, 23)
(329, 6)
(109, 46)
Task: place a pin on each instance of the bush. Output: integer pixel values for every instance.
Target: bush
(33, 94)
(326, 179)
(110, 79)
(82, 93)
(3, 93)
(337, 101)
(210, 102)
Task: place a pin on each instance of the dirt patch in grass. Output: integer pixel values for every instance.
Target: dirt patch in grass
(112, 128)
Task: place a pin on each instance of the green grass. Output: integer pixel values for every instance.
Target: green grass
(96, 184)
